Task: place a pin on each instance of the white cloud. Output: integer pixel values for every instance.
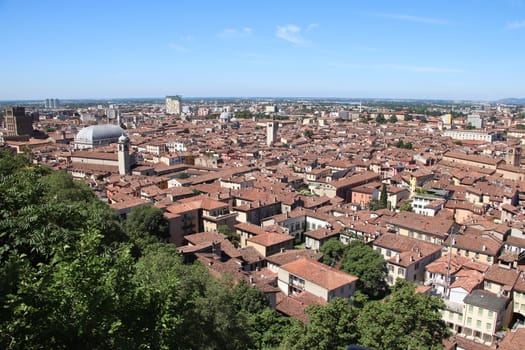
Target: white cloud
(235, 33)
(515, 25)
(178, 47)
(290, 33)
(409, 18)
(312, 26)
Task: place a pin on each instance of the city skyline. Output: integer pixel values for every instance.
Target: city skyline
(408, 49)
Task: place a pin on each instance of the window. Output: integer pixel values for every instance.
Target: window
(480, 312)
(491, 314)
(477, 334)
(401, 271)
(489, 327)
(489, 258)
(469, 321)
(470, 308)
(478, 323)
(388, 253)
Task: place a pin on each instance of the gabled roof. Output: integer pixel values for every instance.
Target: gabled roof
(319, 273)
(269, 239)
(502, 276)
(288, 256)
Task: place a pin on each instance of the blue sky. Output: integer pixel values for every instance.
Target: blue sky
(386, 49)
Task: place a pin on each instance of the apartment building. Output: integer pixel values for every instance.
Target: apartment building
(484, 314)
(310, 276)
(406, 257)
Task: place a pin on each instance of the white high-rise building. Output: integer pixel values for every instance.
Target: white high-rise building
(173, 104)
(52, 103)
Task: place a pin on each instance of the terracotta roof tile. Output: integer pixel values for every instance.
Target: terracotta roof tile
(319, 273)
(269, 239)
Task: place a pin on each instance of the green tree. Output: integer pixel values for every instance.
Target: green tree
(374, 204)
(183, 175)
(308, 133)
(248, 299)
(393, 119)
(520, 126)
(333, 250)
(146, 224)
(332, 326)
(404, 320)
(362, 261)
(380, 118)
(74, 303)
(61, 187)
(11, 163)
(265, 327)
(406, 206)
(268, 328)
(230, 234)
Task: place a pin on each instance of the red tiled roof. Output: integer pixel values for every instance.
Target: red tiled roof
(319, 273)
(269, 239)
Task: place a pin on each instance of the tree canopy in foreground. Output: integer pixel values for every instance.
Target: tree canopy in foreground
(75, 277)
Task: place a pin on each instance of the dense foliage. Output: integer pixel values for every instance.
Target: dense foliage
(404, 320)
(75, 277)
(359, 260)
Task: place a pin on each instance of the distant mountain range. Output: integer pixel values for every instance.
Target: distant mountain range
(512, 101)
